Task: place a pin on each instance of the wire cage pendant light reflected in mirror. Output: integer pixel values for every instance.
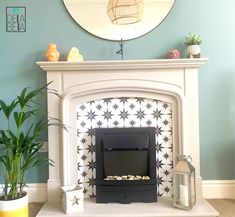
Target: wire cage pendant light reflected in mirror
(123, 12)
(133, 18)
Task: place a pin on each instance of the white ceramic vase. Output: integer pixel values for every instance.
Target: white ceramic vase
(193, 51)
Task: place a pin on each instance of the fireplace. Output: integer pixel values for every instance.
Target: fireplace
(171, 82)
(125, 165)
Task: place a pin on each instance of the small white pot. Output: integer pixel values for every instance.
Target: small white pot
(13, 208)
(72, 199)
(193, 51)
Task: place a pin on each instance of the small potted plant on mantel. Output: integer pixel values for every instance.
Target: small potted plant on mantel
(193, 42)
(20, 142)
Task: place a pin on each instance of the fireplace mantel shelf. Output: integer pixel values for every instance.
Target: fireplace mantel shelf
(122, 64)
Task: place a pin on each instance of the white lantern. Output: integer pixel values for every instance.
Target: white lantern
(72, 199)
(184, 184)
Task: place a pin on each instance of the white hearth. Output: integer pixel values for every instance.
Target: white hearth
(172, 81)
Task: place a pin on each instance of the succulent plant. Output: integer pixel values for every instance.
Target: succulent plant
(193, 39)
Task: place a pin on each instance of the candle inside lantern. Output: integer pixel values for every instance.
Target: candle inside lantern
(184, 200)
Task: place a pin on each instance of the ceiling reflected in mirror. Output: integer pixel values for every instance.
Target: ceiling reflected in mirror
(118, 19)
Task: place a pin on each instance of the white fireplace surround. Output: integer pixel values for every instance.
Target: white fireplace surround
(170, 80)
(173, 81)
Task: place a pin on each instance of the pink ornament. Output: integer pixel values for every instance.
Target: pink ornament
(173, 54)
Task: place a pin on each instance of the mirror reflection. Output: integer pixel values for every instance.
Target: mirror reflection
(118, 19)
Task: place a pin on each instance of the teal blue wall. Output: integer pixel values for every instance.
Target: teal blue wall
(49, 22)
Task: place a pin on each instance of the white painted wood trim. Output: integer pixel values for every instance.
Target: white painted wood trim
(37, 192)
(122, 64)
(218, 189)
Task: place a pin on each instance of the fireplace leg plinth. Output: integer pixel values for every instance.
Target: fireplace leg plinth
(126, 194)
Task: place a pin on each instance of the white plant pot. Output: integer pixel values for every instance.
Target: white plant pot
(193, 51)
(72, 199)
(13, 208)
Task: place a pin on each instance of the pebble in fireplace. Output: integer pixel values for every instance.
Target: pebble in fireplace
(125, 165)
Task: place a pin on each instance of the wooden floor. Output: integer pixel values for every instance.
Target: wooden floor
(226, 207)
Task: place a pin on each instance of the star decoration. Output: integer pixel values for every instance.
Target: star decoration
(91, 148)
(79, 165)
(132, 106)
(75, 200)
(107, 100)
(165, 139)
(140, 114)
(123, 99)
(78, 149)
(166, 156)
(99, 107)
(139, 99)
(165, 122)
(158, 131)
(99, 123)
(83, 124)
(91, 115)
(84, 157)
(84, 174)
(157, 114)
(166, 172)
(148, 106)
(115, 123)
(132, 123)
(124, 115)
(91, 165)
(82, 107)
(91, 182)
(149, 122)
(165, 105)
(83, 140)
(115, 106)
(107, 115)
(91, 132)
(159, 163)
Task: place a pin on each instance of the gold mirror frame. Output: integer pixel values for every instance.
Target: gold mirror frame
(118, 19)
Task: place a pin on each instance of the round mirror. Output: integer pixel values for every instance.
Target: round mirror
(118, 19)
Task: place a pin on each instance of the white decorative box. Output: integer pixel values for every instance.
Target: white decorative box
(72, 199)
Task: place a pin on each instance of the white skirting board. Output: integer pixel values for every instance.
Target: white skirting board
(218, 189)
(211, 189)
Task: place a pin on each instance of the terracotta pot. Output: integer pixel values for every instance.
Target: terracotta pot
(52, 53)
(193, 51)
(13, 208)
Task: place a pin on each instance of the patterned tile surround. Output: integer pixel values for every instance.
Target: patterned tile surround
(124, 112)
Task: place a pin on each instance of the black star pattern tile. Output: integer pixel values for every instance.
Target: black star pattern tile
(123, 99)
(140, 114)
(132, 106)
(124, 112)
(99, 107)
(107, 115)
(91, 165)
(157, 114)
(91, 115)
(124, 115)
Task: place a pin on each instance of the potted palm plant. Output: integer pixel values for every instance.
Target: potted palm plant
(193, 41)
(20, 142)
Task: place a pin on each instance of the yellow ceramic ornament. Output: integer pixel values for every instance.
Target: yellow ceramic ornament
(74, 55)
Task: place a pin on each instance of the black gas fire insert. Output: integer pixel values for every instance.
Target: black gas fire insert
(125, 165)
